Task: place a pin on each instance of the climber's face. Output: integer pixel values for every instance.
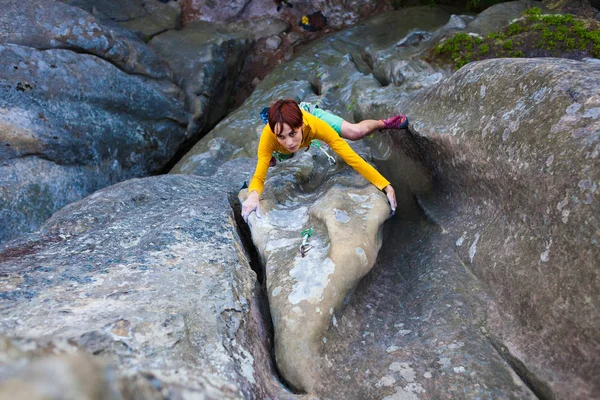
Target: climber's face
(289, 138)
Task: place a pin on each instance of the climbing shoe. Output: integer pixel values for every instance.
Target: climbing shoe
(396, 122)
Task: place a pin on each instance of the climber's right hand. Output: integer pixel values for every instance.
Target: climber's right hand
(391, 195)
(250, 204)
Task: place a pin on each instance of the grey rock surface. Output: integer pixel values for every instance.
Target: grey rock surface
(49, 24)
(206, 59)
(414, 326)
(322, 352)
(259, 28)
(513, 146)
(151, 275)
(64, 135)
(149, 18)
(273, 43)
(486, 285)
(38, 370)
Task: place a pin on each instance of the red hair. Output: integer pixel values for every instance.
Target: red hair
(285, 112)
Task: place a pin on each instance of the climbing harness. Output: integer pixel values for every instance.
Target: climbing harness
(316, 144)
(305, 246)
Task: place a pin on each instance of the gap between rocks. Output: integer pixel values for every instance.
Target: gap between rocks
(538, 387)
(102, 57)
(243, 231)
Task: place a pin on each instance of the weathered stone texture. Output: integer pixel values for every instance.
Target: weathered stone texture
(149, 18)
(331, 72)
(206, 59)
(151, 275)
(49, 24)
(322, 353)
(64, 135)
(85, 104)
(513, 147)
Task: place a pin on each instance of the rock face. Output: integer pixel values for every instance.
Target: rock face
(82, 106)
(151, 275)
(497, 17)
(346, 215)
(486, 284)
(491, 162)
(38, 371)
(64, 135)
(149, 18)
(414, 327)
(49, 24)
(338, 13)
(513, 147)
(206, 59)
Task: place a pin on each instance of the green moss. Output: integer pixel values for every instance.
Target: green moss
(515, 28)
(533, 11)
(534, 35)
(569, 43)
(352, 105)
(460, 62)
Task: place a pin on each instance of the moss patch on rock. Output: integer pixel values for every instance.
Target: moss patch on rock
(532, 35)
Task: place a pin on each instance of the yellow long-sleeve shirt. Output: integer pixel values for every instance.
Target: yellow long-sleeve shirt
(314, 128)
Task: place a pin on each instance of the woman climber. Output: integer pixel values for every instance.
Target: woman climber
(292, 126)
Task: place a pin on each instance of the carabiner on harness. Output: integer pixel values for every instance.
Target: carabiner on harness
(316, 144)
(305, 246)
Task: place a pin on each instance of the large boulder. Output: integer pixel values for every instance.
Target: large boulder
(513, 149)
(344, 214)
(64, 135)
(49, 24)
(83, 106)
(461, 299)
(206, 59)
(415, 327)
(151, 275)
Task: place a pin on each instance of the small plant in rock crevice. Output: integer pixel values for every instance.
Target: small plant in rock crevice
(352, 105)
(532, 35)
